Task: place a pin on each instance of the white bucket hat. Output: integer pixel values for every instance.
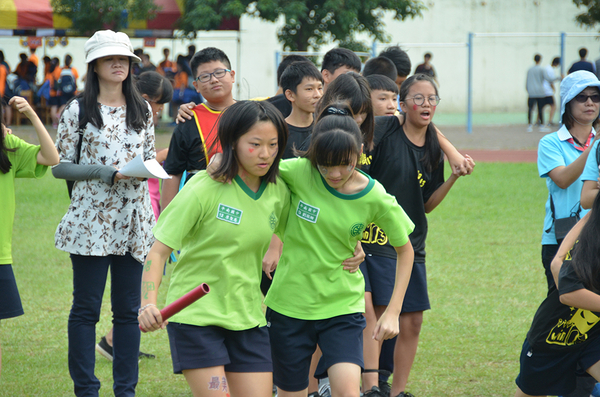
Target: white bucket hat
(573, 85)
(106, 42)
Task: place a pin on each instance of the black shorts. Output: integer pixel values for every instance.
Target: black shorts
(202, 347)
(293, 342)
(549, 100)
(380, 275)
(53, 101)
(554, 373)
(416, 298)
(9, 294)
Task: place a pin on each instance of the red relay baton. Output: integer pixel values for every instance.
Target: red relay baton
(183, 302)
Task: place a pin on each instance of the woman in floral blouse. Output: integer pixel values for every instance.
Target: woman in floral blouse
(109, 221)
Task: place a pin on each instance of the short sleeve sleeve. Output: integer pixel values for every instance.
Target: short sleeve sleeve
(67, 136)
(549, 156)
(393, 220)
(177, 158)
(283, 215)
(590, 172)
(568, 281)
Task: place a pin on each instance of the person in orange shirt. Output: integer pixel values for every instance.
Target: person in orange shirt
(53, 75)
(167, 68)
(66, 85)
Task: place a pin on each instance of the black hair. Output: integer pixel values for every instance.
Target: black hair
(433, 152)
(296, 72)
(586, 255)
(46, 59)
(427, 55)
(353, 88)
(53, 64)
(206, 55)
(383, 83)
(380, 65)
(287, 61)
(537, 58)
(338, 57)
(400, 59)
(236, 121)
(582, 52)
(556, 61)
(136, 113)
(5, 163)
(157, 87)
(567, 118)
(336, 137)
(1, 56)
(68, 60)
(23, 57)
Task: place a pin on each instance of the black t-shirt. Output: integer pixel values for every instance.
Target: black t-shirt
(396, 163)
(186, 152)
(282, 104)
(297, 137)
(557, 327)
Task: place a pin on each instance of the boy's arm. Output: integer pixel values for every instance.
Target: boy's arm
(388, 326)
(149, 315)
(48, 155)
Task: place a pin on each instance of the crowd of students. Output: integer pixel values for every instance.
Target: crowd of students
(313, 201)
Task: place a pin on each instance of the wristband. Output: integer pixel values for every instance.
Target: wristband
(145, 307)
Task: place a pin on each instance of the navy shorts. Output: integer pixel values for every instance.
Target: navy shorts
(293, 342)
(53, 101)
(416, 298)
(380, 275)
(9, 294)
(195, 347)
(554, 373)
(64, 98)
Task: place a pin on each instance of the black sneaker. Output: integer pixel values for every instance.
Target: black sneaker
(375, 392)
(385, 388)
(405, 394)
(105, 349)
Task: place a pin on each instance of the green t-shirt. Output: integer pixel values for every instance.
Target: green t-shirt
(322, 231)
(24, 165)
(224, 231)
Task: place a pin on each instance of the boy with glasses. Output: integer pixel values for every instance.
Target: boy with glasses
(194, 143)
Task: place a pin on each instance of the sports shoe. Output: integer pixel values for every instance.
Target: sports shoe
(545, 128)
(375, 392)
(385, 388)
(106, 350)
(529, 128)
(324, 387)
(405, 394)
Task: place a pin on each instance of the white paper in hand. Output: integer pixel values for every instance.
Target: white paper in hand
(144, 169)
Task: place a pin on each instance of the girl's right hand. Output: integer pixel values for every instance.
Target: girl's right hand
(150, 319)
(22, 106)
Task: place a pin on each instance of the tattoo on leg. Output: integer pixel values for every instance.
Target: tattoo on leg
(214, 383)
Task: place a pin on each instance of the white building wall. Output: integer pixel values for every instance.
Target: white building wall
(499, 63)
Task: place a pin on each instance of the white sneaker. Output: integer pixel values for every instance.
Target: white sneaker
(529, 128)
(545, 128)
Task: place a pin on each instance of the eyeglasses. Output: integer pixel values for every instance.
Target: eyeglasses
(582, 98)
(434, 100)
(205, 77)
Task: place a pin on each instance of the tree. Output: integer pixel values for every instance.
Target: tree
(308, 23)
(89, 16)
(592, 16)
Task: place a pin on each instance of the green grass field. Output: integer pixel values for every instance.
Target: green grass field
(485, 282)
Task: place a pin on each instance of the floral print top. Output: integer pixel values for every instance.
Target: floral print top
(102, 219)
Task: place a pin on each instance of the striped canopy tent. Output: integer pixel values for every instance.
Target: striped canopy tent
(21, 17)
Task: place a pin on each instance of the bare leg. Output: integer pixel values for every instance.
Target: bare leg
(313, 383)
(344, 379)
(109, 336)
(250, 384)
(371, 347)
(406, 349)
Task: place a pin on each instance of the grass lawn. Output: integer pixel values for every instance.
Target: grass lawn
(485, 282)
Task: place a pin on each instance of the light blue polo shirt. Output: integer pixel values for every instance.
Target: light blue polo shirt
(554, 151)
(590, 172)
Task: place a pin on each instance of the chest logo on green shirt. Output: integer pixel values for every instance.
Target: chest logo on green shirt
(357, 229)
(229, 214)
(307, 212)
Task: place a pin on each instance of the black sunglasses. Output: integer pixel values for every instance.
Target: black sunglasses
(582, 98)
